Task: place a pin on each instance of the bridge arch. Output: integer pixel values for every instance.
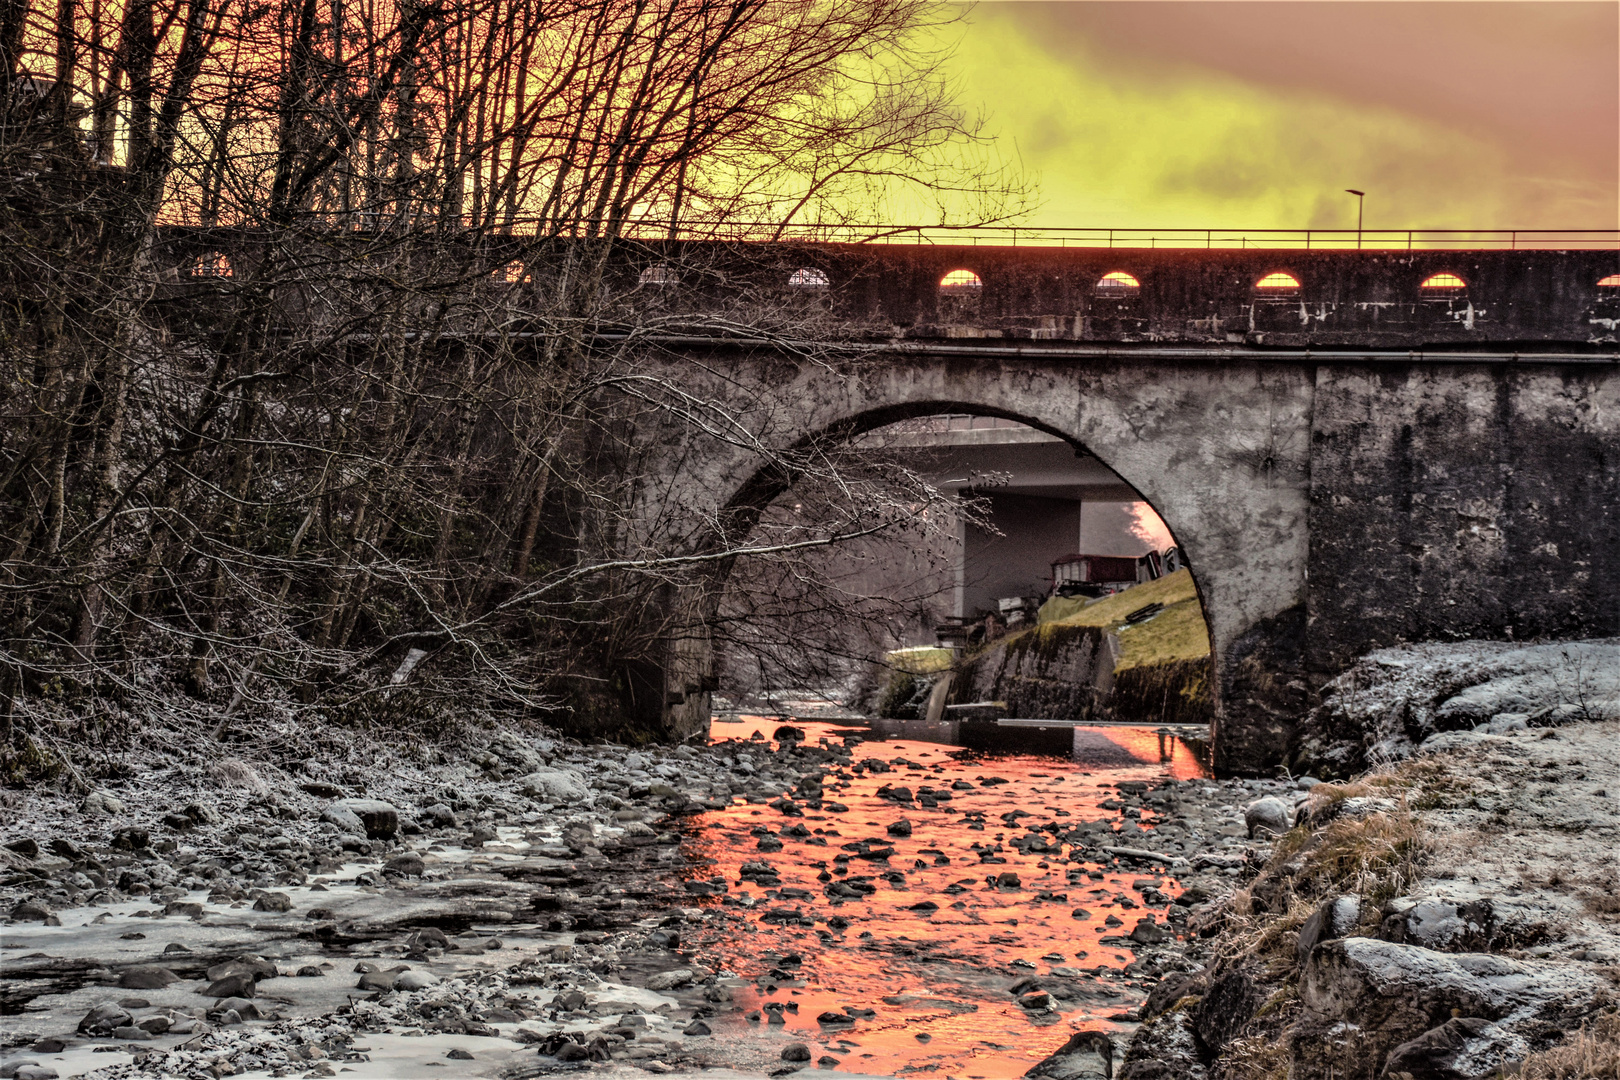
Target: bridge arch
(1225, 466)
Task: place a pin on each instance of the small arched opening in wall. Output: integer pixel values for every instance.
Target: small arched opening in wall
(1277, 284)
(960, 295)
(1117, 285)
(967, 532)
(809, 277)
(210, 265)
(1443, 286)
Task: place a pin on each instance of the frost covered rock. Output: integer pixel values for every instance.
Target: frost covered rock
(1164, 1049)
(1367, 996)
(104, 803)
(1335, 918)
(554, 785)
(415, 980)
(371, 818)
(669, 980)
(1385, 706)
(1268, 815)
(1459, 1049)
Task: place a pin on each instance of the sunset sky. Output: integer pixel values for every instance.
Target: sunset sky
(1196, 113)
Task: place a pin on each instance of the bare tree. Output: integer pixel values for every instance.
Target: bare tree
(309, 407)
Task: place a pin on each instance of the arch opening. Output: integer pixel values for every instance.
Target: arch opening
(808, 277)
(1277, 283)
(1003, 531)
(1443, 285)
(1117, 285)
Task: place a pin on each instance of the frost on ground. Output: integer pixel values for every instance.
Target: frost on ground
(1451, 916)
(1388, 703)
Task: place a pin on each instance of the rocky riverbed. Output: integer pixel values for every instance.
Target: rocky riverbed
(825, 894)
(813, 895)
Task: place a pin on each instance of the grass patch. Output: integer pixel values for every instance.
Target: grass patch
(1176, 633)
(1592, 1053)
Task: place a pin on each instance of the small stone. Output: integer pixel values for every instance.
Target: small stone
(240, 984)
(900, 828)
(669, 980)
(48, 1046)
(146, 977)
(132, 1033)
(376, 980)
(131, 839)
(188, 908)
(415, 980)
(827, 1061)
(27, 847)
(1268, 816)
(1080, 913)
(311, 971)
(273, 901)
(572, 1051)
(102, 802)
(156, 1025)
(796, 1052)
(1008, 880)
(32, 911)
(458, 1054)
(696, 1027)
(409, 864)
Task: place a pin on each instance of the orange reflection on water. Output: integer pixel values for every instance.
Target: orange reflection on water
(938, 937)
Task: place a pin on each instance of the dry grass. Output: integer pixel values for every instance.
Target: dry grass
(234, 772)
(1592, 1053)
(1259, 1057)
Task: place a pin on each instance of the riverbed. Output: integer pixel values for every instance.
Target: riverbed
(828, 893)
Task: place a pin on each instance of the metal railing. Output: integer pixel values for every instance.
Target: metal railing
(1080, 237)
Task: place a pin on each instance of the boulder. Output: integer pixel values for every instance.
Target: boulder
(1268, 815)
(554, 786)
(27, 847)
(1459, 1049)
(1369, 996)
(1085, 1054)
(438, 816)
(1165, 1049)
(1440, 923)
(104, 1018)
(1227, 1006)
(1171, 989)
(32, 911)
(374, 818)
(273, 901)
(796, 1052)
(1335, 918)
(237, 984)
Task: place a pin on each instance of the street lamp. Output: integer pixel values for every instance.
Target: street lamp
(1361, 197)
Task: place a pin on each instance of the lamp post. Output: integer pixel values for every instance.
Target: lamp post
(1361, 197)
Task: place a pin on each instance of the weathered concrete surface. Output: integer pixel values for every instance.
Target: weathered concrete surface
(1325, 509)
(1462, 502)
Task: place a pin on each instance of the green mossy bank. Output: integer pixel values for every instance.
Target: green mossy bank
(1084, 660)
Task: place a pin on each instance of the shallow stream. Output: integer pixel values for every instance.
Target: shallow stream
(919, 935)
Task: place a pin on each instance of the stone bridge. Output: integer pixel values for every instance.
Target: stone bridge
(1355, 449)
